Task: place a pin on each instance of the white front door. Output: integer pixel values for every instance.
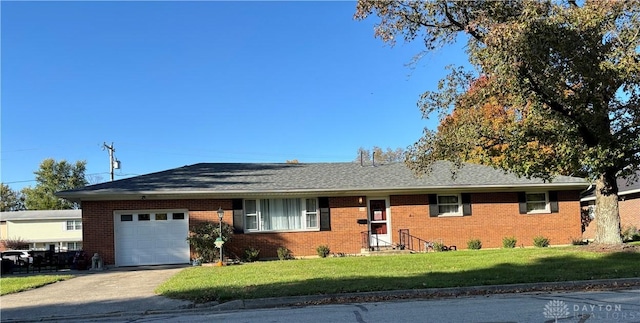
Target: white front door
(379, 222)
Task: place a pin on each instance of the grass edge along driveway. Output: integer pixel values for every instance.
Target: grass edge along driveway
(14, 284)
(408, 271)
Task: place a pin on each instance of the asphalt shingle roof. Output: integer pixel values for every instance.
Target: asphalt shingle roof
(624, 187)
(254, 178)
(40, 215)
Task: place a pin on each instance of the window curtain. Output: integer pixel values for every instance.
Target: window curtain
(281, 214)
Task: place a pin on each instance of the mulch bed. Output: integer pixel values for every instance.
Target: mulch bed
(611, 248)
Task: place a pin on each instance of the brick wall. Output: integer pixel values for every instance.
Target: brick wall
(495, 215)
(344, 236)
(629, 208)
(98, 226)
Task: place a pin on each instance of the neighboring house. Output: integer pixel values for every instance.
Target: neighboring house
(61, 229)
(145, 220)
(628, 206)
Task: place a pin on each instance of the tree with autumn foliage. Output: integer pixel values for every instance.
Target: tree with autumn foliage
(565, 77)
(496, 133)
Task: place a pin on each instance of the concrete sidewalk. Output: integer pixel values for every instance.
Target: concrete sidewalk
(91, 293)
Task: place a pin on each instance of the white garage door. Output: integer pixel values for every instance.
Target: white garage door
(151, 238)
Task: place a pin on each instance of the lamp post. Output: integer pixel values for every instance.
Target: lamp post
(219, 242)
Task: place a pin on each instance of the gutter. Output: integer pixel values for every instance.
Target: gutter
(623, 193)
(175, 194)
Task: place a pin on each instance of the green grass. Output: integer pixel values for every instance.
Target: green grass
(410, 271)
(10, 285)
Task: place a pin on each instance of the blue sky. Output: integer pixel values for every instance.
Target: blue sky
(175, 83)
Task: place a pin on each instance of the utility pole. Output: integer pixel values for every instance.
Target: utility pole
(113, 162)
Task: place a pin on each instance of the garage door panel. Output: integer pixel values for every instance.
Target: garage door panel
(151, 242)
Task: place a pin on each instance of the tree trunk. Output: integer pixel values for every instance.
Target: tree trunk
(607, 215)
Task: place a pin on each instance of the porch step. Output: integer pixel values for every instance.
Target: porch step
(387, 250)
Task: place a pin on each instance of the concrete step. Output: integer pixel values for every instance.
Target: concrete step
(386, 250)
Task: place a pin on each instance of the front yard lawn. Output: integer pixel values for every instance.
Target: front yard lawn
(408, 271)
(10, 285)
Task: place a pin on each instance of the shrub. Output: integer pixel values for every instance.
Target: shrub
(15, 244)
(252, 254)
(323, 251)
(541, 241)
(203, 237)
(509, 242)
(437, 246)
(284, 253)
(474, 244)
(630, 233)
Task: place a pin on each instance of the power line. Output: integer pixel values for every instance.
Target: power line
(33, 180)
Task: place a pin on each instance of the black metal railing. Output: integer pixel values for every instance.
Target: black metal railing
(413, 243)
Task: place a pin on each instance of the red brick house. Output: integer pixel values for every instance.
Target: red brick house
(628, 205)
(349, 207)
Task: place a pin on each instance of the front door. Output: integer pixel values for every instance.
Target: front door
(379, 223)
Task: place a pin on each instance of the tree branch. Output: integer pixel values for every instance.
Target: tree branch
(461, 27)
(421, 23)
(590, 138)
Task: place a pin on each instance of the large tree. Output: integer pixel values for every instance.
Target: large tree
(499, 134)
(51, 177)
(10, 200)
(574, 65)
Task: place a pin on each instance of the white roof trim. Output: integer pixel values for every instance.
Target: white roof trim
(142, 195)
(593, 198)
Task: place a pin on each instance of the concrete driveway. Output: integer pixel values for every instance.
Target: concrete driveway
(91, 293)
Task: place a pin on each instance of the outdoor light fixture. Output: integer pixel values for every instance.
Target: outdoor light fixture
(219, 242)
(360, 200)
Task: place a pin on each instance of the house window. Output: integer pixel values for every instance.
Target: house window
(251, 209)
(74, 225)
(312, 213)
(591, 211)
(161, 216)
(144, 217)
(177, 216)
(537, 202)
(74, 246)
(281, 214)
(126, 217)
(449, 205)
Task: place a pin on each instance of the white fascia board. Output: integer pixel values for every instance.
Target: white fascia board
(622, 193)
(182, 194)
